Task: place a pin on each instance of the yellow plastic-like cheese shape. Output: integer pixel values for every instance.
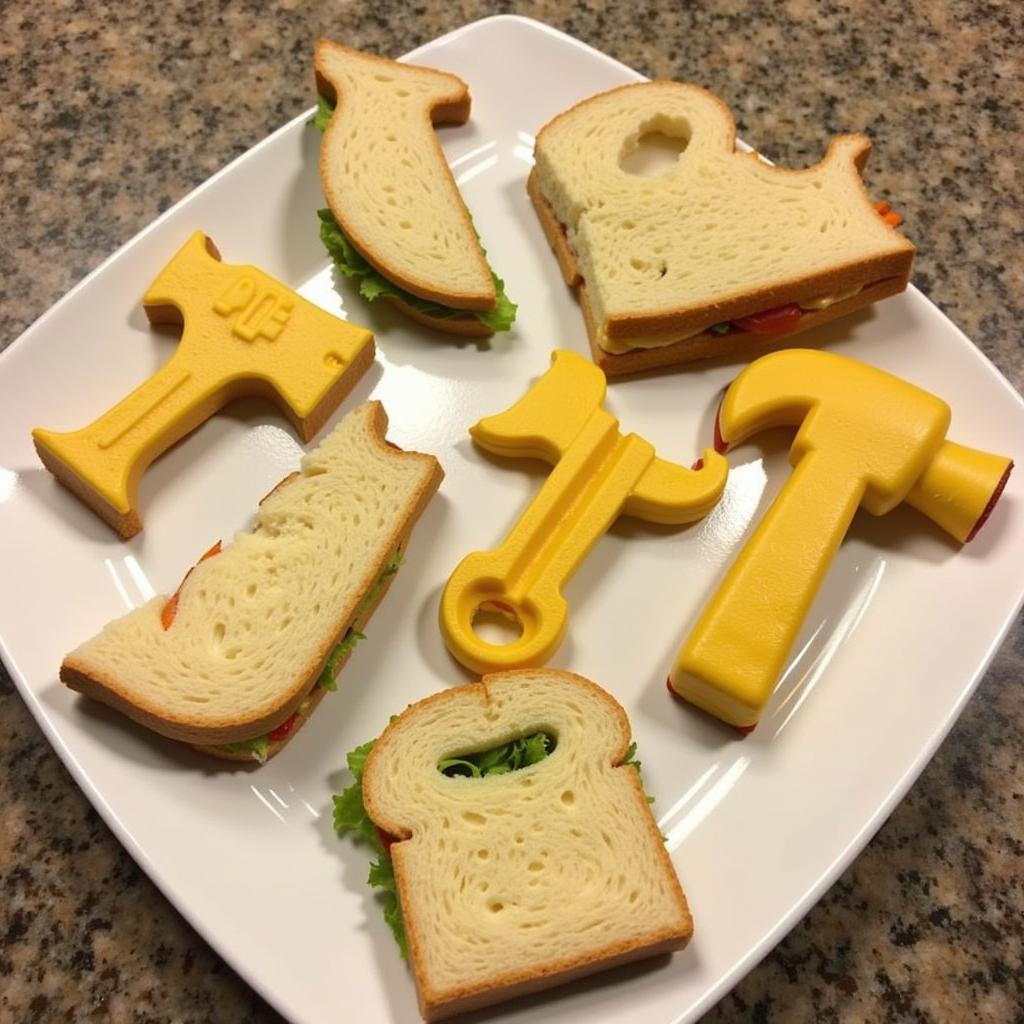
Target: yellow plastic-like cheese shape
(598, 475)
(865, 439)
(244, 333)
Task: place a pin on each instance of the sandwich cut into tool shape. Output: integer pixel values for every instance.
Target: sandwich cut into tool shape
(243, 333)
(599, 474)
(718, 250)
(514, 882)
(238, 658)
(395, 218)
(865, 439)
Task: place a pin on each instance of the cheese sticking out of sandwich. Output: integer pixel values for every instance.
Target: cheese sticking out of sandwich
(395, 219)
(236, 660)
(718, 249)
(515, 880)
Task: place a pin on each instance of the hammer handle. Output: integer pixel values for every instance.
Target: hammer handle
(107, 455)
(736, 652)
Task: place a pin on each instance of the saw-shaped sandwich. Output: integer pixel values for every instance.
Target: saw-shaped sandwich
(718, 252)
(238, 658)
(395, 220)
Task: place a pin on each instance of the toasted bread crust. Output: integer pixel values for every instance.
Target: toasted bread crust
(510, 984)
(700, 346)
(452, 109)
(465, 326)
(200, 731)
(846, 156)
(712, 346)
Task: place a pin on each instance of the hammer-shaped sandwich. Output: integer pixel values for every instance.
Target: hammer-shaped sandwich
(395, 219)
(865, 439)
(238, 658)
(718, 252)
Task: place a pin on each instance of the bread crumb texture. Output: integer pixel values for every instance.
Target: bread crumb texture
(387, 181)
(254, 623)
(715, 225)
(512, 878)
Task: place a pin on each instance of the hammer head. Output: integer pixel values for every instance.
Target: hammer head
(879, 428)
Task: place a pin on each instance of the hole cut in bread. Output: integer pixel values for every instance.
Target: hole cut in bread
(516, 882)
(717, 235)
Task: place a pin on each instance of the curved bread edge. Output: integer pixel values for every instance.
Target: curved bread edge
(464, 326)
(509, 984)
(454, 108)
(196, 730)
(316, 695)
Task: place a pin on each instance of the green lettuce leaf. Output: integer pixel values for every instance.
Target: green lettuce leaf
(324, 109)
(330, 670)
(373, 285)
(256, 748)
(350, 816)
(350, 812)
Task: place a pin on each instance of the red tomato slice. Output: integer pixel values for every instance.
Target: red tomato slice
(772, 322)
(170, 608)
(284, 728)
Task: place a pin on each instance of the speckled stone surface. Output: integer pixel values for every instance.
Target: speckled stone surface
(111, 112)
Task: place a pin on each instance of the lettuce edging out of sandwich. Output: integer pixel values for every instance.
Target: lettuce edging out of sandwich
(373, 285)
(350, 811)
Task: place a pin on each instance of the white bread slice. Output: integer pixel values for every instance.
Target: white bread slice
(513, 883)
(255, 624)
(386, 179)
(719, 236)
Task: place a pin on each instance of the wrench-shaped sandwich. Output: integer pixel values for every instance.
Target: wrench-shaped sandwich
(599, 474)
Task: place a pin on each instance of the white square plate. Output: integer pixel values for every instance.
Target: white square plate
(758, 828)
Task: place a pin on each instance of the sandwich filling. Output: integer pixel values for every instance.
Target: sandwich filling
(373, 285)
(350, 811)
(776, 322)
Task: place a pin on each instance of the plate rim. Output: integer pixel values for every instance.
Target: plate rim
(813, 892)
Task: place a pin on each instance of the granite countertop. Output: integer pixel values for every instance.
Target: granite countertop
(113, 112)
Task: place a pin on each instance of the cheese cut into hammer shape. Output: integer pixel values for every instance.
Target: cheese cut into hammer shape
(513, 883)
(244, 333)
(387, 182)
(719, 236)
(865, 439)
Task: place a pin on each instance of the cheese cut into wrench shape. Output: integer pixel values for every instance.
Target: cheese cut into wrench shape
(244, 333)
(865, 439)
(599, 474)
